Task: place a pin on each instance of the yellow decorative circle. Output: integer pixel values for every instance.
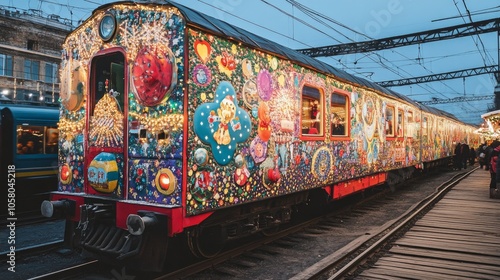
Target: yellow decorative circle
(322, 162)
(73, 86)
(172, 181)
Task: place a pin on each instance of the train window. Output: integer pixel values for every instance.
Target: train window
(51, 138)
(424, 126)
(338, 114)
(109, 75)
(400, 123)
(410, 125)
(312, 105)
(389, 121)
(33, 139)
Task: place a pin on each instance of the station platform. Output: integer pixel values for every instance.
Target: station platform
(458, 239)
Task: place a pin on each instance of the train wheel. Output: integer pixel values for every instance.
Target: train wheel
(206, 242)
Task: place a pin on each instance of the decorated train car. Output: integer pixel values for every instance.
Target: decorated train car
(178, 127)
(28, 156)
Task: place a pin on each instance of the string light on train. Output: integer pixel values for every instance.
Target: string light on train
(155, 125)
(70, 125)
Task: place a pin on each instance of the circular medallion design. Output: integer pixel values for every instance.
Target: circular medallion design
(265, 85)
(239, 161)
(250, 95)
(322, 163)
(154, 75)
(103, 173)
(201, 156)
(201, 75)
(246, 68)
(258, 150)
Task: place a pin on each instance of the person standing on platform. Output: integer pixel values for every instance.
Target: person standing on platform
(457, 159)
(465, 154)
(481, 155)
(472, 156)
(494, 167)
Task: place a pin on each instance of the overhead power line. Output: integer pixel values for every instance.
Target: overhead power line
(440, 77)
(456, 99)
(452, 32)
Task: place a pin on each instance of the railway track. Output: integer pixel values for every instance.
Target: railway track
(346, 263)
(336, 266)
(73, 272)
(25, 218)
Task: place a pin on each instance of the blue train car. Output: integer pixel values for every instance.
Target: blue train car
(28, 155)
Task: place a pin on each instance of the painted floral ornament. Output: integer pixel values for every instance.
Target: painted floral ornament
(222, 124)
(154, 75)
(203, 49)
(227, 63)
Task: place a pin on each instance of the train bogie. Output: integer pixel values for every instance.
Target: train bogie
(177, 124)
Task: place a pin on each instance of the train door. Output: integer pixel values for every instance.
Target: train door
(106, 114)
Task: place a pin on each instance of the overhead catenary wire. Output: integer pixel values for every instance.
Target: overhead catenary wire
(316, 16)
(394, 66)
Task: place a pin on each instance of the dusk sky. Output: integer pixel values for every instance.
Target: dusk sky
(330, 22)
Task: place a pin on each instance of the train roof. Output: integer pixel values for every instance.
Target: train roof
(31, 112)
(217, 26)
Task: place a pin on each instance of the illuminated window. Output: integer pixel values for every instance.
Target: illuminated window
(424, 126)
(389, 121)
(400, 123)
(410, 125)
(109, 75)
(37, 139)
(312, 117)
(338, 114)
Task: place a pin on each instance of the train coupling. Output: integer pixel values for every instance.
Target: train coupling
(58, 208)
(138, 223)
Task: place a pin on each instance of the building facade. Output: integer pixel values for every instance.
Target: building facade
(30, 54)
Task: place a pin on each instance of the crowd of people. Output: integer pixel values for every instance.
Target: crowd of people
(488, 157)
(464, 155)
